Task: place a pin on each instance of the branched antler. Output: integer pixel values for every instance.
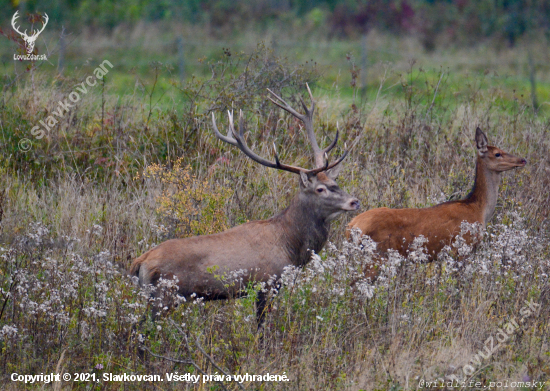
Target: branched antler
(237, 139)
(321, 158)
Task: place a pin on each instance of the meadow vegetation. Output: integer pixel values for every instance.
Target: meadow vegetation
(123, 173)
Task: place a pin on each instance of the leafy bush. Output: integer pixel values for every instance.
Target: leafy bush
(192, 206)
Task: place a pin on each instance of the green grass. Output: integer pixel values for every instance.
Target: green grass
(482, 68)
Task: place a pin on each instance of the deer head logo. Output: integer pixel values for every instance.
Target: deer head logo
(29, 40)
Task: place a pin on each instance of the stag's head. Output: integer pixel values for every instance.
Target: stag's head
(324, 194)
(495, 159)
(318, 188)
(30, 40)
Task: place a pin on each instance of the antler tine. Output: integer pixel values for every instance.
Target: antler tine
(333, 143)
(309, 110)
(339, 160)
(284, 105)
(240, 134)
(310, 94)
(327, 166)
(218, 134)
(241, 125)
(304, 106)
(230, 126)
(276, 155)
(286, 167)
(317, 153)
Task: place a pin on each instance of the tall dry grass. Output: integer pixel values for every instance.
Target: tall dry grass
(70, 228)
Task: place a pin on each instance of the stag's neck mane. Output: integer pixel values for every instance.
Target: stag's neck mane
(303, 229)
(485, 191)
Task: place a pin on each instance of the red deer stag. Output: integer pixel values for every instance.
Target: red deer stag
(397, 228)
(258, 249)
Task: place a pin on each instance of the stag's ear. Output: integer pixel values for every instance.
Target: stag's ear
(304, 180)
(334, 171)
(481, 142)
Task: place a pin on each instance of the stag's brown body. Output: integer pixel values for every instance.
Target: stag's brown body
(259, 250)
(440, 224)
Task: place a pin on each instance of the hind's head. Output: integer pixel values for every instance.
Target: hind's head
(495, 159)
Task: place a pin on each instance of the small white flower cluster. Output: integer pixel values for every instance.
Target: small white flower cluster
(94, 310)
(37, 232)
(507, 250)
(8, 332)
(51, 285)
(164, 295)
(84, 330)
(69, 242)
(97, 230)
(271, 286)
(469, 234)
(291, 274)
(160, 230)
(236, 277)
(417, 252)
(502, 252)
(389, 267)
(365, 289)
(343, 268)
(437, 198)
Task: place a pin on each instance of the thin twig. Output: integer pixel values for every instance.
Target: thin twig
(435, 94)
(474, 374)
(361, 134)
(186, 362)
(209, 358)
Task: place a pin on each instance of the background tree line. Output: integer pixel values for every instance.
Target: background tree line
(461, 22)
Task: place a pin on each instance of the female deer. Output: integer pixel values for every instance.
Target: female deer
(397, 228)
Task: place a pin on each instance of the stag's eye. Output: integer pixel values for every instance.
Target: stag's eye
(498, 154)
(320, 189)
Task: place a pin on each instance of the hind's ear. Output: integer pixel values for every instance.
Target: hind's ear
(481, 141)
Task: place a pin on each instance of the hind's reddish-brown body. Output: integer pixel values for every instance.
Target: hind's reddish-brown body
(397, 228)
(440, 224)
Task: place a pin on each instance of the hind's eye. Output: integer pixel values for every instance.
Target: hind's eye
(320, 189)
(497, 154)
